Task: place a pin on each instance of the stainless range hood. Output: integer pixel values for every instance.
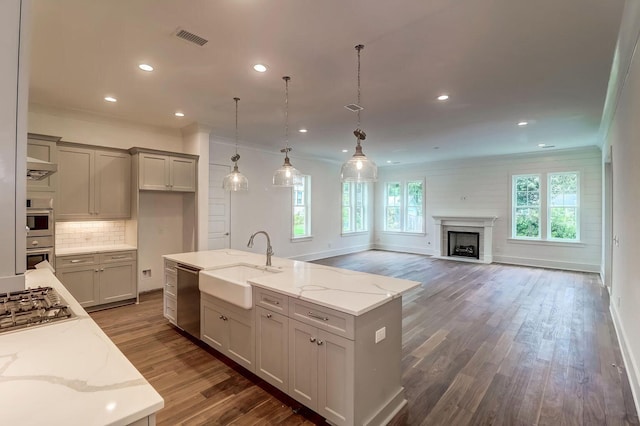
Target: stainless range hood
(38, 169)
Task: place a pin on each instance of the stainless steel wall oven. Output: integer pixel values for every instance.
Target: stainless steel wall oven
(40, 231)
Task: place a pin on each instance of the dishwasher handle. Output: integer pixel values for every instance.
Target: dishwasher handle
(188, 269)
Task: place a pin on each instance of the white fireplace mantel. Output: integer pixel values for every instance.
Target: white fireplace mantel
(484, 222)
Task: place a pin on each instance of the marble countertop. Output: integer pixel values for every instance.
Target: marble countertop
(346, 291)
(93, 249)
(69, 372)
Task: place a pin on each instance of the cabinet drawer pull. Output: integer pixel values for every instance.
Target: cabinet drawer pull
(312, 315)
(313, 339)
(273, 302)
(119, 257)
(269, 315)
(76, 261)
(320, 342)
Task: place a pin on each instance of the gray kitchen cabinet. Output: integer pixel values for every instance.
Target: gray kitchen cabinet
(161, 172)
(321, 371)
(169, 291)
(42, 147)
(228, 329)
(93, 184)
(272, 348)
(99, 279)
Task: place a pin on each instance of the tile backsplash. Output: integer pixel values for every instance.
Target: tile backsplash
(81, 234)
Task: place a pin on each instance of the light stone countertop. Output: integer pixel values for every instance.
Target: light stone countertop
(69, 372)
(346, 291)
(93, 249)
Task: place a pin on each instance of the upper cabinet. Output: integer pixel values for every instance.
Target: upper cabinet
(93, 183)
(42, 147)
(158, 171)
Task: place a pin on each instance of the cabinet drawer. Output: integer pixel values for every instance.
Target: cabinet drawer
(170, 308)
(170, 267)
(37, 242)
(271, 300)
(117, 256)
(170, 284)
(68, 261)
(333, 321)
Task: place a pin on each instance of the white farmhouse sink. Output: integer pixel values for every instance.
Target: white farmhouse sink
(230, 283)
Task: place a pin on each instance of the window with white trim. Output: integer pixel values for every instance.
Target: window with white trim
(354, 207)
(404, 206)
(301, 208)
(546, 206)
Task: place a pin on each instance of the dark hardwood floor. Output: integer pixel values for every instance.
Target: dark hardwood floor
(482, 345)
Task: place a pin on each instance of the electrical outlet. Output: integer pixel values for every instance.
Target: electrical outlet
(381, 334)
(146, 273)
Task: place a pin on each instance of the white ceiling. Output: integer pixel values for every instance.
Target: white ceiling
(501, 61)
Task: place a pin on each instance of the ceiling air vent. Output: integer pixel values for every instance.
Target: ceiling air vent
(186, 35)
(354, 107)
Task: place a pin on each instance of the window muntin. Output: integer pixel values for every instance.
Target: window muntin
(526, 206)
(404, 206)
(564, 206)
(354, 212)
(301, 207)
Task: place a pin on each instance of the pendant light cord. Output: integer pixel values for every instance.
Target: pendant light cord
(286, 115)
(236, 99)
(359, 133)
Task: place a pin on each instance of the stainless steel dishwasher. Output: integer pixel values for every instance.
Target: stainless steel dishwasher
(188, 300)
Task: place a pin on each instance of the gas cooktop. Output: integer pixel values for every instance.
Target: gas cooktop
(31, 307)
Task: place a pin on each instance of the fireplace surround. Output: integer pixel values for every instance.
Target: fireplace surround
(483, 225)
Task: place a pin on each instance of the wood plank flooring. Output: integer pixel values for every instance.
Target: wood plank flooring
(482, 345)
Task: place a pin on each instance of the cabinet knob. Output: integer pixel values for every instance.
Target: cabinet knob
(95, 270)
(34, 243)
(313, 339)
(221, 317)
(320, 342)
(269, 315)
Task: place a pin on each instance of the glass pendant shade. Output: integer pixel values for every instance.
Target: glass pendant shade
(359, 168)
(235, 181)
(286, 175)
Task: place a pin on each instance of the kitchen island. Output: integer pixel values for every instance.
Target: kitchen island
(70, 373)
(328, 337)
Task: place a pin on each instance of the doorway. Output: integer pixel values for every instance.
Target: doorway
(219, 209)
(608, 222)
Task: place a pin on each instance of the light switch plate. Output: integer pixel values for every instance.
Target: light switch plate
(381, 334)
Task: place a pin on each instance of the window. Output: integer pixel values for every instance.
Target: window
(563, 206)
(354, 211)
(526, 206)
(302, 207)
(404, 206)
(555, 215)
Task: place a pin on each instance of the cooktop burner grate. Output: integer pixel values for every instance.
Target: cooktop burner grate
(31, 307)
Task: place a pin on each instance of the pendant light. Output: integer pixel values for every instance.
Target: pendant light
(359, 168)
(286, 175)
(235, 181)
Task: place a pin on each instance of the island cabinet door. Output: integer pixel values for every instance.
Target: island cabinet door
(335, 378)
(240, 340)
(303, 363)
(272, 348)
(213, 327)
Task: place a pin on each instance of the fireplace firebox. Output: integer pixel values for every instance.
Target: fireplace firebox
(464, 244)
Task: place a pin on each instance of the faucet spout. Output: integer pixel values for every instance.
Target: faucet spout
(269, 248)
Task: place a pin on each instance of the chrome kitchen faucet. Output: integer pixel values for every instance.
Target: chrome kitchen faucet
(269, 248)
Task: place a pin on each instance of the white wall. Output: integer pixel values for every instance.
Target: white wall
(622, 136)
(264, 207)
(91, 129)
(482, 186)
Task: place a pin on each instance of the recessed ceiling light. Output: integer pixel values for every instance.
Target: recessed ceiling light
(179, 114)
(110, 99)
(436, 147)
(443, 97)
(260, 67)
(345, 150)
(522, 123)
(388, 161)
(542, 145)
(145, 67)
(303, 130)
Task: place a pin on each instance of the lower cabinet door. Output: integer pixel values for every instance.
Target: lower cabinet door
(117, 282)
(241, 341)
(82, 283)
(303, 362)
(335, 378)
(213, 327)
(272, 348)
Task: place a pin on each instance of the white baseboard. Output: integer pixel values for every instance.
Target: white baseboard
(405, 249)
(633, 372)
(331, 253)
(546, 263)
